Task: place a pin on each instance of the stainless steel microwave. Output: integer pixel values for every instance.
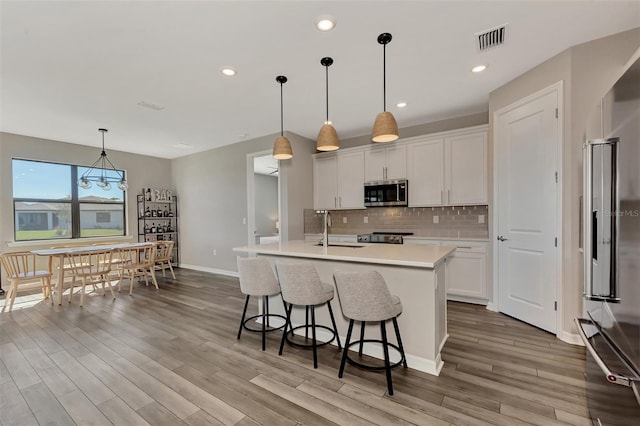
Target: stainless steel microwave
(386, 193)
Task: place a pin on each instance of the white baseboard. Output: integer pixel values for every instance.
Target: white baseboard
(492, 307)
(572, 339)
(211, 270)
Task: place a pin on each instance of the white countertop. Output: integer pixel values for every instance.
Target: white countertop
(385, 254)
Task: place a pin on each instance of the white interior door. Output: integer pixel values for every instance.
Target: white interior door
(527, 140)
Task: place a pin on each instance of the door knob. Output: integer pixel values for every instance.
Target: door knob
(501, 238)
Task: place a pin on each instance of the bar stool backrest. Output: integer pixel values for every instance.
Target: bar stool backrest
(257, 277)
(300, 283)
(364, 296)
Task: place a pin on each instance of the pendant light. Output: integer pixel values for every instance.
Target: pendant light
(385, 128)
(103, 180)
(282, 146)
(327, 137)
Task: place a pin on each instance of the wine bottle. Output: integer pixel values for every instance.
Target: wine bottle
(147, 212)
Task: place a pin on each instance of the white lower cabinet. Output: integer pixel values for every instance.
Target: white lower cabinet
(466, 269)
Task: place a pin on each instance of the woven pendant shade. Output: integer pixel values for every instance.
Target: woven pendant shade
(282, 148)
(385, 128)
(327, 139)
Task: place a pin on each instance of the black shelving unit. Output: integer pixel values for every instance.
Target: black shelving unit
(158, 221)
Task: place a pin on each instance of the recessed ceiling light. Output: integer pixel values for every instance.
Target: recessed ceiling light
(479, 68)
(228, 71)
(325, 22)
(401, 104)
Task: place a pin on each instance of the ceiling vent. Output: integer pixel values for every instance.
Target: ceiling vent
(491, 38)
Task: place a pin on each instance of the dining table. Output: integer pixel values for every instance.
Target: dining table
(61, 252)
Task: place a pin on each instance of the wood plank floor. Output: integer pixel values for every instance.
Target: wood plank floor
(170, 357)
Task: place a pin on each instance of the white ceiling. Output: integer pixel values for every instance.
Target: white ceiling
(69, 68)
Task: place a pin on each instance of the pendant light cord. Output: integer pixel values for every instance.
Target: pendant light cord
(384, 77)
(326, 68)
(281, 113)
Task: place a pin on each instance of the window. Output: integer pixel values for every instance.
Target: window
(48, 204)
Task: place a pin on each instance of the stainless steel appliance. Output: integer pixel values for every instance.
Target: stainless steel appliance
(611, 244)
(386, 193)
(383, 237)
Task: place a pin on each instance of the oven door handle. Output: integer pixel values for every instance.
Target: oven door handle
(616, 378)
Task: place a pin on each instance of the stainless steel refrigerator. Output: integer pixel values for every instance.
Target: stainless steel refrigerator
(610, 326)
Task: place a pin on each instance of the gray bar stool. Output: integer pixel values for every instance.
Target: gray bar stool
(301, 286)
(257, 279)
(364, 297)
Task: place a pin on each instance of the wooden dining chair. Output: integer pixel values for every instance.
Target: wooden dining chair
(139, 262)
(164, 254)
(91, 266)
(20, 268)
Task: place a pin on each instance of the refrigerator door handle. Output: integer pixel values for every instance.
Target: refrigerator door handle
(588, 239)
(616, 378)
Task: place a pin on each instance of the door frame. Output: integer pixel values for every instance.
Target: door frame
(556, 88)
(251, 199)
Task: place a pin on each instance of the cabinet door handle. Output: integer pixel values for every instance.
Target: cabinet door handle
(335, 202)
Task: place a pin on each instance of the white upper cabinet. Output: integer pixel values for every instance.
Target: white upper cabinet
(325, 183)
(466, 169)
(425, 172)
(448, 171)
(338, 181)
(448, 168)
(385, 163)
(351, 180)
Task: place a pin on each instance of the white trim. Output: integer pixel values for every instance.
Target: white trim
(557, 88)
(251, 199)
(571, 338)
(211, 270)
(492, 307)
(85, 241)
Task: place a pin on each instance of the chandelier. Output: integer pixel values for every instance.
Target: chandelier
(102, 180)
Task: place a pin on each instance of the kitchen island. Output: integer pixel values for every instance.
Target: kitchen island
(413, 273)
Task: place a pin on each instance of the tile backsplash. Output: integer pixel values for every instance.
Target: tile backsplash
(452, 221)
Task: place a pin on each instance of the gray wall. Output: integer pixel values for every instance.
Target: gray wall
(142, 171)
(588, 71)
(212, 186)
(266, 199)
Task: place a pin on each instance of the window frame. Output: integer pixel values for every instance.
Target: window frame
(74, 203)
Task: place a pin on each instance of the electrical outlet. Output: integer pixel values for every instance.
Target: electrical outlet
(215, 252)
(480, 218)
(366, 219)
(436, 219)
(244, 220)
(344, 219)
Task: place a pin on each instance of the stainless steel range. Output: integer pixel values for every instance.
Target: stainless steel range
(383, 237)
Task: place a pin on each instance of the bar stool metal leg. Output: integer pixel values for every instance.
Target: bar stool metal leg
(244, 313)
(362, 324)
(397, 329)
(346, 349)
(264, 320)
(313, 334)
(333, 322)
(387, 365)
(287, 324)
